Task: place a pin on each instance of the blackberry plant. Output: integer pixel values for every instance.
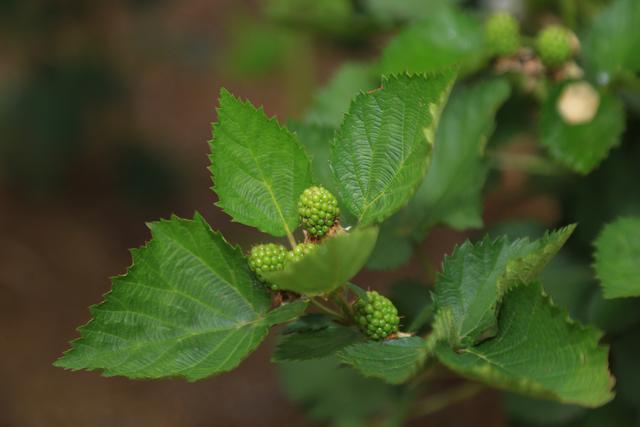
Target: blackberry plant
(403, 143)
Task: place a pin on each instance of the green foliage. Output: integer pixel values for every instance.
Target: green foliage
(259, 168)
(445, 37)
(336, 260)
(612, 43)
(451, 191)
(382, 148)
(332, 101)
(475, 278)
(617, 258)
(393, 361)
(582, 146)
(538, 351)
(193, 314)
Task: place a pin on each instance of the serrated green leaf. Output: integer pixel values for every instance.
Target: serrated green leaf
(617, 258)
(476, 276)
(334, 262)
(447, 195)
(331, 102)
(612, 42)
(393, 361)
(333, 394)
(539, 351)
(382, 149)
(286, 312)
(581, 147)
(188, 306)
(446, 36)
(314, 344)
(259, 168)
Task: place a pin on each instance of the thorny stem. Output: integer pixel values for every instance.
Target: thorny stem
(447, 398)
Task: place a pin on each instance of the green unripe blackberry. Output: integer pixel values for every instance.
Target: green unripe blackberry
(300, 251)
(376, 316)
(266, 258)
(554, 46)
(318, 210)
(502, 33)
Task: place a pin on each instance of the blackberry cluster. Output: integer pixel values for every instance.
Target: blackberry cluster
(376, 315)
(267, 257)
(318, 210)
(300, 251)
(502, 32)
(554, 46)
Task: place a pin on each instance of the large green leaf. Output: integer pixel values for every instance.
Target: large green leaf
(617, 258)
(334, 262)
(382, 149)
(612, 43)
(581, 147)
(451, 192)
(475, 278)
(331, 102)
(188, 306)
(393, 361)
(539, 351)
(446, 37)
(259, 168)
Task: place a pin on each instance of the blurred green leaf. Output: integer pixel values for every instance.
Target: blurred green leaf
(540, 412)
(538, 351)
(446, 37)
(331, 102)
(393, 361)
(336, 395)
(581, 147)
(612, 42)
(259, 168)
(382, 149)
(617, 258)
(317, 141)
(335, 261)
(613, 315)
(391, 250)
(414, 304)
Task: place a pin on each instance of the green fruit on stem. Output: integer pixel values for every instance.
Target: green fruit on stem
(266, 258)
(376, 316)
(502, 33)
(554, 46)
(300, 251)
(318, 210)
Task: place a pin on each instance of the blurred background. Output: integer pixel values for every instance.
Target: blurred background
(105, 113)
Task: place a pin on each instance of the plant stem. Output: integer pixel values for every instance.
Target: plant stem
(447, 398)
(292, 240)
(326, 309)
(523, 162)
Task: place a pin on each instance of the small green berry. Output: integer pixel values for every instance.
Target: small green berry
(376, 316)
(554, 46)
(318, 210)
(502, 33)
(266, 258)
(300, 251)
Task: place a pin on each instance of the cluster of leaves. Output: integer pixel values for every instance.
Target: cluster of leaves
(404, 150)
